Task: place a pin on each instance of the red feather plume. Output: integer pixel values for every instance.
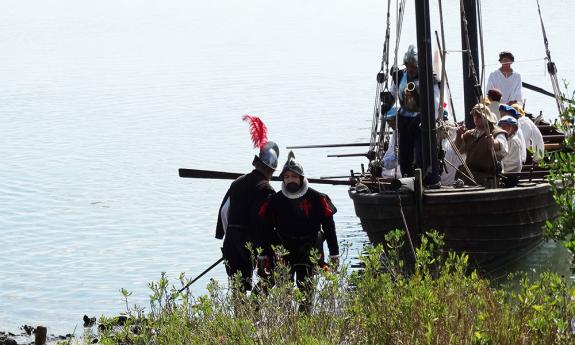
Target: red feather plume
(258, 130)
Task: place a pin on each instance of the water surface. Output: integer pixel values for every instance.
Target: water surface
(101, 103)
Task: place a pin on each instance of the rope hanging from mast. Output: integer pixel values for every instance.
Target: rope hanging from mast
(443, 56)
(400, 6)
(480, 22)
(472, 73)
(380, 88)
(383, 101)
(551, 68)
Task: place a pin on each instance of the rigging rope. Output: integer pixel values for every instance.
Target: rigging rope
(482, 82)
(469, 175)
(381, 86)
(446, 79)
(551, 68)
(443, 56)
(399, 19)
(480, 20)
(378, 130)
(472, 74)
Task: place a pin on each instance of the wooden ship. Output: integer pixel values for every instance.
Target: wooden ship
(491, 225)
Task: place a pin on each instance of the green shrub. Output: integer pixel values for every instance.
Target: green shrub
(440, 302)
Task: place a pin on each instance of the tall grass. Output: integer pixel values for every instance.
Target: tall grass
(440, 302)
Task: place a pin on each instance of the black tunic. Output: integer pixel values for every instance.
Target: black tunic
(246, 195)
(295, 224)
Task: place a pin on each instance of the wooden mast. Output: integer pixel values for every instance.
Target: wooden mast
(430, 167)
(471, 87)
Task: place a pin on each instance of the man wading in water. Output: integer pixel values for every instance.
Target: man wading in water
(237, 218)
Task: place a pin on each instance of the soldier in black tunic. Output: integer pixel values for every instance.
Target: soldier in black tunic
(295, 218)
(237, 218)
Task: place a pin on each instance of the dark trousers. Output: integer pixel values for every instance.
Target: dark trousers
(303, 271)
(238, 257)
(409, 144)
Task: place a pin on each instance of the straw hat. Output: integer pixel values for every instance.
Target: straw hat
(484, 111)
(518, 108)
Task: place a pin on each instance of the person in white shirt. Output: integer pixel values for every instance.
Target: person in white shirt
(531, 134)
(494, 97)
(504, 110)
(451, 158)
(390, 162)
(512, 161)
(506, 80)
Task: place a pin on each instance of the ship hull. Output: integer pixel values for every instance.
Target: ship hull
(491, 225)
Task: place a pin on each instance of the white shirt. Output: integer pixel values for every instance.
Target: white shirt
(390, 159)
(494, 107)
(452, 162)
(512, 161)
(503, 145)
(532, 137)
(519, 134)
(510, 87)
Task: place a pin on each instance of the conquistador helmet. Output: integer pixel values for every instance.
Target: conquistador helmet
(269, 155)
(292, 165)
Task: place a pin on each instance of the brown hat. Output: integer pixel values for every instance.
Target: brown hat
(494, 94)
(484, 111)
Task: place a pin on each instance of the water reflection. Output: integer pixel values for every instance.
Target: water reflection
(547, 256)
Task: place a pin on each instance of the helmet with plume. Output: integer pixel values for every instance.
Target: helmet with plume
(292, 165)
(269, 151)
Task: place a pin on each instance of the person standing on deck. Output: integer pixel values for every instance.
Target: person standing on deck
(506, 80)
(512, 161)
(405, 86)
(390, 156)
(532, 136)
(237, 217)
(294, 218)
(507, 110)
(494, 97)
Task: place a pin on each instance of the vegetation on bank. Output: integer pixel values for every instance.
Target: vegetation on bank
(441, 301)
(562, 179)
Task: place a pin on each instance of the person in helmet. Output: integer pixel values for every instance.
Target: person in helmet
(237, 216)
(294, 218)
(405, 89)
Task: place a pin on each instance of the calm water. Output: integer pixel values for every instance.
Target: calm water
(101, 103)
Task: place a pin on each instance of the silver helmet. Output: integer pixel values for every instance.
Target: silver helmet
(269, 155)
(410, 56)
(292, 165)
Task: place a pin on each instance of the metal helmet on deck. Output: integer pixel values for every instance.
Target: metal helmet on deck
(292, 165)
